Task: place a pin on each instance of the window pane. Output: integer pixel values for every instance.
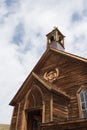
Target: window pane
(86, 105)
(85, 95)
(83, 106)
(85, 114)
(82, 96)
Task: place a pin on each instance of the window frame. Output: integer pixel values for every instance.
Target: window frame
(79, 100)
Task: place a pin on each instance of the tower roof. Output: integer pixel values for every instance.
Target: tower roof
(55, 29)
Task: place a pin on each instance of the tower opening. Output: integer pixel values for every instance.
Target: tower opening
(55, 39)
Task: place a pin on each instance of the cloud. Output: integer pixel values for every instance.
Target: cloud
(18, 34)
(23, 26)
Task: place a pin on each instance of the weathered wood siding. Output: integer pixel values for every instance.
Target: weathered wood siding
(76, 125)
(60, 109)
(16, 122)
(20, 115)
(73, 109)
(47, 107)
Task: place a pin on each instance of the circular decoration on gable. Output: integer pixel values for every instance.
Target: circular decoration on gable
(51, 75)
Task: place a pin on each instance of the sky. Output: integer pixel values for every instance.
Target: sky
(23, 28)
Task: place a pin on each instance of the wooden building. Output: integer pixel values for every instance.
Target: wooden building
(54, 95)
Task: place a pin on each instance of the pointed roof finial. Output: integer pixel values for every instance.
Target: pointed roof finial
(55, 27)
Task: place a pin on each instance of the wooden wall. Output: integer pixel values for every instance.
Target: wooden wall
(16, 123)
(47, 99)
(73, 109)
(60, 108)
(20, 115)
(54, 107)
(64, 109)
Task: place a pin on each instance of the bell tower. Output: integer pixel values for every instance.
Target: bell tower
(55, 39)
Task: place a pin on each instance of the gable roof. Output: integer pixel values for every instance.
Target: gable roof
(32, 75)
(55, 29)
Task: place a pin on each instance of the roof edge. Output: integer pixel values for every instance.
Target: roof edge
(49, 88)
(70, 55)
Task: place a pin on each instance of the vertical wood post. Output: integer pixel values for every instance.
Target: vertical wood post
(57, 36)
(43, 113)
(17, 115)
(51, 108)
(24, 120)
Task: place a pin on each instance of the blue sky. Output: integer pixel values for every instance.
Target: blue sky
(18, 34)
(10, 2)
(23, 26)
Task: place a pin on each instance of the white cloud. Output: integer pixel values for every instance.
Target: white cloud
(37, 18)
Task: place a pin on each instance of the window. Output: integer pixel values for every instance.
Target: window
(52, 38)
(83, 98)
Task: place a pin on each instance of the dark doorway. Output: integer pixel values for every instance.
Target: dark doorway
(34, 120)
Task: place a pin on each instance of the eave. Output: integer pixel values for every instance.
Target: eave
(49, 87)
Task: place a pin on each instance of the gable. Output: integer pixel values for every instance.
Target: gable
(72, 72)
